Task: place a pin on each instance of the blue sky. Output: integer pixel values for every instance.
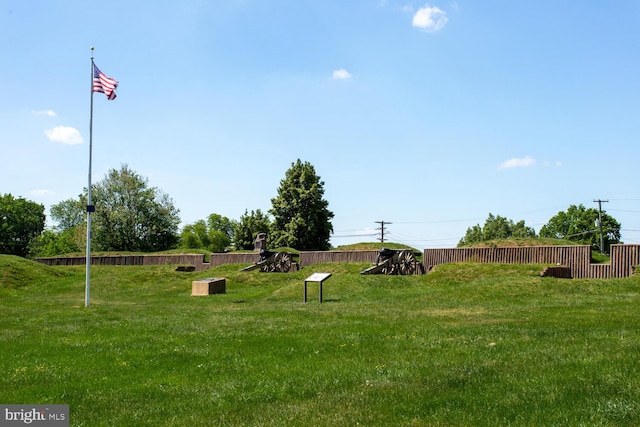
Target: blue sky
(429, 116)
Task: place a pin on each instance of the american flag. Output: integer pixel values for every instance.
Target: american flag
(104, 84)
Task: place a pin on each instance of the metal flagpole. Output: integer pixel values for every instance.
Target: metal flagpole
(90, 208)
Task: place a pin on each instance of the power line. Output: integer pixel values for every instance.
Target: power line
(622, 210)
(333, 236)
(580, 234)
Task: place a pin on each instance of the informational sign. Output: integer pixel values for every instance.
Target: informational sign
(315, 277)
(318, 277)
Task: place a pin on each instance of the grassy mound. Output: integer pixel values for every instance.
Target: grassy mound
(16, 272)
(370, 246)
(525, 241)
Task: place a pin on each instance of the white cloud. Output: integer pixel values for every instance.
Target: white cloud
(517, 163)
(341, 74)
(49, 113)
(557, 163)
(430, 19)
(64, 134)
(42, 193)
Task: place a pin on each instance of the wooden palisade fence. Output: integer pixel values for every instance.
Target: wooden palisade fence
(196, 260)
(577, 259)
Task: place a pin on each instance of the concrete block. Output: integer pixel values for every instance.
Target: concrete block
(209, 286)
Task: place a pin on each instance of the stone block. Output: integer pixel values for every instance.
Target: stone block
(209, 286)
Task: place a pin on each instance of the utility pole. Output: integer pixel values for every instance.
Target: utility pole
(382, 224)
(600, 202)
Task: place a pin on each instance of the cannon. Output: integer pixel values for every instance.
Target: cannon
(395, 261)
(270, 262)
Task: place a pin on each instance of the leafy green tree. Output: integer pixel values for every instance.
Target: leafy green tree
(70, 233)
(580, 225)
(70, 213)
(52, 243)
(222, 224)
(301, 216)
(520, 230)
(496, 227)
(214, 235)
(21, 220)
(474, 235)
(129, 215)
(246, 230)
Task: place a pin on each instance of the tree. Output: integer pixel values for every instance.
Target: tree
(70, 213)
(21, 220)
(52, 243)
(246, 230)
(129, 215)
(214, 235)
(70, 233)
(474, 235)
(301, 216)
(496, 227)
(580, 225)
(520, 230)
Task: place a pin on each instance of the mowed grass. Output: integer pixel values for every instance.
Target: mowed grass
(467, 344)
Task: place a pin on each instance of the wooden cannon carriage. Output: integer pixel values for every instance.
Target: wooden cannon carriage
(395, 261)
(270, 262)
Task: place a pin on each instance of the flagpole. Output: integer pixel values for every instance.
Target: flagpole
(87, 297)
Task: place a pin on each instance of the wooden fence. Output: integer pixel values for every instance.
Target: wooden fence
(624, 258)
(306, 258)
(231, 258)
(196, 260)
(577, 258)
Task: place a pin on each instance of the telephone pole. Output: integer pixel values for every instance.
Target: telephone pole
(600, 202)
(381, 228)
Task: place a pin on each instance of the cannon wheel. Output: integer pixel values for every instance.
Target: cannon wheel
(282, 263)
(406, 263)
(391, 267)
(266, 267)
(387, 269)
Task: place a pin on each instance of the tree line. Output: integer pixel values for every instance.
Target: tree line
(131, 216)
(577, 224)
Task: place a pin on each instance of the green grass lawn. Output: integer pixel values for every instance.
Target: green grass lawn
(467, 344)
